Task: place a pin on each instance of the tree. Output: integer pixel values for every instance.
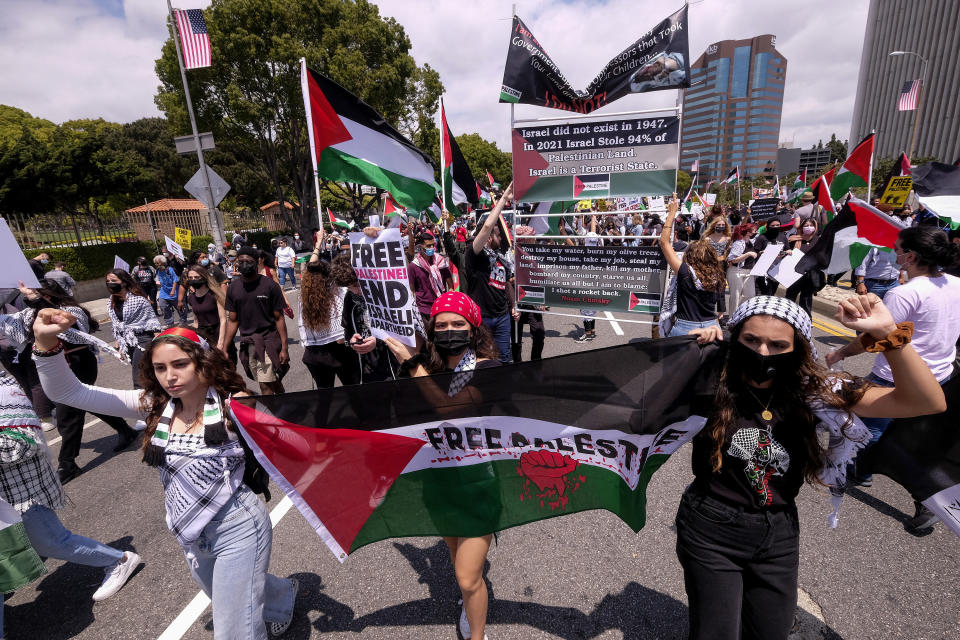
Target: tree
(251, 95)
(683, 183)
(838, 149)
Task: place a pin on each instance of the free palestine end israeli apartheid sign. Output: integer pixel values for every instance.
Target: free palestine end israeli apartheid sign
(582, 159)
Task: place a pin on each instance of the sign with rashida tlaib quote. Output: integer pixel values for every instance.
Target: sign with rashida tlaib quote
(605, 278)
(581, 159)
(659, 59)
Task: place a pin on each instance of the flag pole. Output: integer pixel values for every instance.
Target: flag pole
(443, 173)
(305, 90)
(211, 208)
(873, 132)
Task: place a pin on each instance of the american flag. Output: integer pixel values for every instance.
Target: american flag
(193, 38)
(909, 95)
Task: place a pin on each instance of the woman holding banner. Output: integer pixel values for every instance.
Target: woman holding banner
(737, 525)
(812, 281)
(740, 260)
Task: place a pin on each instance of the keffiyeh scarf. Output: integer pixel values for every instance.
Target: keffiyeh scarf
(668, 313)
(463, 371)
(138, 316)
(18, 328)
(433, 270)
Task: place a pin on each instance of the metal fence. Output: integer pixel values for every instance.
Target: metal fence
(47, 231)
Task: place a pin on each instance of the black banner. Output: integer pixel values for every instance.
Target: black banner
(762, 209)
(659, 59)
(599, 278)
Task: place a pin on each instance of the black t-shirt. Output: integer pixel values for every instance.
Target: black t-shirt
(254, 303)
(145, 276)
(488, 276)
(694, 304)
(205, 307)
(763, 461)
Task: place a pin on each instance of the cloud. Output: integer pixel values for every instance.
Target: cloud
(66, 59)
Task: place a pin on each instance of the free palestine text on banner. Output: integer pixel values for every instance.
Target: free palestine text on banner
(659, 59)
(444, 455)
(381, 268)
(581, 159)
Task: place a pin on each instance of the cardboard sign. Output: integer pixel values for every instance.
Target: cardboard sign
(381, 267)
(173, 247)
(785, 271)
(183, 237)
(14, 267)
(120, 263)
(766, 259)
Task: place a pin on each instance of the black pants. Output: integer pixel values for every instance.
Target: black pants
(135, 355)
(537, 334)
(589, 325)
(211, 333)
(802, 292)
(766, 286)
(334, 360)
(739, 569)
(70, 419)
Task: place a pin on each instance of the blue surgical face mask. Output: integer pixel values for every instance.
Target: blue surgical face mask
(44, 261)
(205, 262)
(429, 252)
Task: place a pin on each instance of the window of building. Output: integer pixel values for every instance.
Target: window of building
(721, 68)
(741, 72)
(760, 70)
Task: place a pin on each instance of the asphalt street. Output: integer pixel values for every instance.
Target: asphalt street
(581, 576)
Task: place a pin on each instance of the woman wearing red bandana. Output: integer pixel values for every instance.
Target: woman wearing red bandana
(457, 342)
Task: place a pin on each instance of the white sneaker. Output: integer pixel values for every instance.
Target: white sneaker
(140, 425)
(117, 576)
(47, 426)
(465, 625)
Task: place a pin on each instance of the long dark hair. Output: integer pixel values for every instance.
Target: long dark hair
(794, 389)
(317, 294)
(58, 297)
(129, 284)
(931, 245)
(480, 341)
(211, 365)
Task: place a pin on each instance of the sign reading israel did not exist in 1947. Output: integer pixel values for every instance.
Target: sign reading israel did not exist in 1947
(595, 158)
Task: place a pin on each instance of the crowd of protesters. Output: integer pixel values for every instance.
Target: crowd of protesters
(188, 326)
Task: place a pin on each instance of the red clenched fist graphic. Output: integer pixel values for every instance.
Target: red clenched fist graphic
(549, 470)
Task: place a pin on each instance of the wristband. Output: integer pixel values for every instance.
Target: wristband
(50, 352)
(893, 341)
(412, 362)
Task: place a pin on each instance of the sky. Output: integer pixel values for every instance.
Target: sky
(67, 59)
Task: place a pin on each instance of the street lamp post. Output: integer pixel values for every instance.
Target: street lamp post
(916, 117)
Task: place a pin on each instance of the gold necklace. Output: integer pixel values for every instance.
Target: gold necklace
(766, 414)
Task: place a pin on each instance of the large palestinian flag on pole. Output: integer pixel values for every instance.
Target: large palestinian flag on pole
(351, 142)
(855, 171)
(847, 238)
(471, 453)
(458, 183)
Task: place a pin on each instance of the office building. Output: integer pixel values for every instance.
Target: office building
(793, 160)
(731, 112)
(931, 30)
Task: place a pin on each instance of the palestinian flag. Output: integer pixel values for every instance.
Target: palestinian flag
(776, 188)
(847, 238)
(483, 198)
(351, 142)
(923, 455)
(458, 182)
(643, 302)
(343, 224)
(21, 564)
(550, 225)
(733, 177)
(530, 294)
(799, 185)
(523, 443)
(591, 187)
(490, 181)
(393, 214)
(946, 208)
(821, 195)
(900, 171)
(688, 199)
(855, 171)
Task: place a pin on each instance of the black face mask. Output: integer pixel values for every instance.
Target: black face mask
(760, 368)
(451, 342)
(196, 284)
(37, 303)
(115, 287)
(772, 232)
(247, 268)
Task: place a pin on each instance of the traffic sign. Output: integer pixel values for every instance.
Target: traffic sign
(196, 188)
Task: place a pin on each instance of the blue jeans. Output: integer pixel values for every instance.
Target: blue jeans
(232, 557)
(52, 540)
(500, 328)
(877, 287)
(283, 272)
(167, 308)
(684, 327)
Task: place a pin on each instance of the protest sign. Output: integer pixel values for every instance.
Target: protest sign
(897, 191)
(710, 198)
(381, 268)
(595, 158)
(766, 259)
(173, 247)
(785, 271)
(120, 263)
(183, 237)
(14, 267)
(657, 204)
(607, 278)
(763, 209)
(660, 59)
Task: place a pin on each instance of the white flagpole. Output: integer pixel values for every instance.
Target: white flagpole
(443, 172)
(211, 208)
(873, 132)
(305, 89)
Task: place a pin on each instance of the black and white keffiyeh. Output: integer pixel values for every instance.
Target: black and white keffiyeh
(463, 371)
(138, 317)
(786, 310)
(18, 328)
(668, 313)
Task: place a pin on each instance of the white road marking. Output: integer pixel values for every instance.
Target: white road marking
(613, 323)
(58, 438)
(182, 623)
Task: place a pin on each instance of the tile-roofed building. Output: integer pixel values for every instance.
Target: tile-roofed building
(166, 214)
(271, 213)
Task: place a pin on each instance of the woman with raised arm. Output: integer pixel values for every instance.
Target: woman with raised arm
(698, 284)
(737, 525)
(211, 507)
(457, 341)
